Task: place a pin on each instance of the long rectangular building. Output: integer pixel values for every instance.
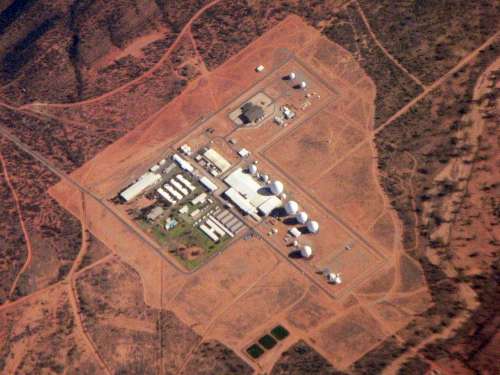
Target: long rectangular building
(205, 181)
(217, 159)
(248, 194)
(144, 182)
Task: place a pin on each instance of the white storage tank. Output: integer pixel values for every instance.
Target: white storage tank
(291, 207)
(302, 217)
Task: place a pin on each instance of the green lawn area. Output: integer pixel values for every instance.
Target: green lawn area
(186, 235)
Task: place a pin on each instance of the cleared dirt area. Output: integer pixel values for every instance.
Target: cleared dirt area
(311, 310)
(347, 338)
(302, 359)
(208, 291)
(212, 357)
(273, 293)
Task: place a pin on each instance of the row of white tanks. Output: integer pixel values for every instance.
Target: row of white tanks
(292, 208)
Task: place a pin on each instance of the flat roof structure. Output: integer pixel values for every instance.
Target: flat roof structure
(248, 187)
(185, 165)
(295, 232)
(250, 195)
(242, 202)
(217, 159)
(270, 205)
(205, 181)
(144, 182)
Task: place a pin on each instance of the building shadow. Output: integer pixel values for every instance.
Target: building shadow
(290, 221)
(266, 191)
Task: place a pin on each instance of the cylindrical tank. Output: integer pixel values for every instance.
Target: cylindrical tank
(312, 226)
(276, 187)
(252, 169)
(291, 207)
(302, 217)
(306, 251)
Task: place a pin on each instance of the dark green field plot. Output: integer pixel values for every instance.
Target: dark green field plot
(280, 332)
(267, 342)
(255, 351)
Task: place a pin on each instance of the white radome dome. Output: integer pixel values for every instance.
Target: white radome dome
(291, 207)
(303, 84)
(291, 75)
(306, 251)
(252, 169)
(302, 217)
(312, 226)
(276, 187)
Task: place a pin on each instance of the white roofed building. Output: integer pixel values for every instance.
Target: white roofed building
(144, 182)
(217, 159)
(295, 232)
(185, 165)
(270, 205)
(205, 181)
(254, 194)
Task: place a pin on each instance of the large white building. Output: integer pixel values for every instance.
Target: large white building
(217, 159)
(249, 195)
(144, 182)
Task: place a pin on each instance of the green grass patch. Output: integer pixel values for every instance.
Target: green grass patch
(183, 235)
(255, 351)
(267, 341)
(280, 332)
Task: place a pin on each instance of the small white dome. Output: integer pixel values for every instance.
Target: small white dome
(276, 187)
(306, 251)
(301, 217)
(303, 84)
(312, 226)
(291, 207)
(291, 75)
(252, 169)
(265, 178)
